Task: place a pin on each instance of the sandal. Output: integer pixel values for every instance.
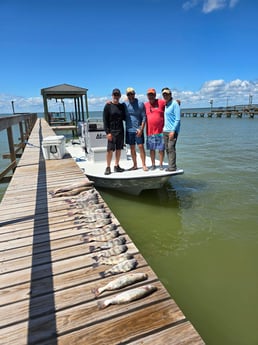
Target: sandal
(132, 168)
(145, 168)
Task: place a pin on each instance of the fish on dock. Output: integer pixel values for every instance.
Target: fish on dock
(109, 235)
(88, 217)
(103, 230)
(112, 260)
(124, 266)
(116, 250)
(96, 224)
(109, 244)
(72, 187)
(121, 282)
(74, 191)
(128, 296)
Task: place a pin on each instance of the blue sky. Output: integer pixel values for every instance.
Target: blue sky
(201, 49)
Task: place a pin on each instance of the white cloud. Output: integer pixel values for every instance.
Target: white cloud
(209, 6)
(234, 92)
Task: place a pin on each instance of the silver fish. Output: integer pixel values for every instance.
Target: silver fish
(102, 238)
(109, 244)
(74, 191)
(113, 260)
(100, 231)
(97, 224)
(116, 250)
(124, 266)
(128, 296)
(93, 214)
(119, 283)
(77, 185)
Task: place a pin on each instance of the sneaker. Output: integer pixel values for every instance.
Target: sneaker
(161, 167)
(107, 171)
(153, 167)
(170, 169)
(118, 169)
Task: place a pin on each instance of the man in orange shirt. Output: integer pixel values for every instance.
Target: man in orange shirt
(154, 127)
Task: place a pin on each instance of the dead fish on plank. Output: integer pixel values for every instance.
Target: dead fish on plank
(101, 238)
(78, 185)
(121, 282)
(70, 192)
(90, 208)
(113, 260)
(89, 212)
(128, 296)
(116, 250)
(124, 266)
(109, 244)
(99, 223)
(101, 231)
(92, 215)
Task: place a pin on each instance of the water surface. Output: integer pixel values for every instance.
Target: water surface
(200, 233)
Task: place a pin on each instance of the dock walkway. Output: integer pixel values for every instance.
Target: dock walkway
(47, 271)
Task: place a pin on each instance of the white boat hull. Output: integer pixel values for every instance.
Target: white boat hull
(131, 182)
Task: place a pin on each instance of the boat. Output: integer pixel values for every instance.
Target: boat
(89, 152)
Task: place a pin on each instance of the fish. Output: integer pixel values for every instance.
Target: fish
(103, 230)
(90, 208)
(121, 282)
(93, 215)
(113, 260)
(77, 185)
(109, 244)
(128, 296)
(70, 192)
(95, 224)
(124, 266)
(99, 223)
(116, 250)
(101, 238)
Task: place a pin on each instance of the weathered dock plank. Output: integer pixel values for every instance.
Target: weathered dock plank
(48, 270)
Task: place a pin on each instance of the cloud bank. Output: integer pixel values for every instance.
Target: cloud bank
(235, 92)
(209, 6)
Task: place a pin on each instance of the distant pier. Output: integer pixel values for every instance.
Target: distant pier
(222, 112)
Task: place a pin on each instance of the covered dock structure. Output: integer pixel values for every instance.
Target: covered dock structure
(66, 91)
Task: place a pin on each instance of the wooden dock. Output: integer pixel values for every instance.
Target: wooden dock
(47, 271)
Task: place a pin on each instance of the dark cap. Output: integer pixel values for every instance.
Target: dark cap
(116, 91)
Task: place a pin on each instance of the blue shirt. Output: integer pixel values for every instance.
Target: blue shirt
(135, 115)
(172, 117)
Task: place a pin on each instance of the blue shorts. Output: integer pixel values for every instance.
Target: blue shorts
(132, 139)
(155, 142)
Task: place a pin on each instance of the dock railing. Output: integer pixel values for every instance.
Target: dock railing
(25, 123)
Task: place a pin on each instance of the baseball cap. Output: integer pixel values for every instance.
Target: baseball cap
(166, 90)
(151, 90)
(130, 90)
(116, 91)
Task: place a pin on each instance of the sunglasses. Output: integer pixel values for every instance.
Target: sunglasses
(166, 94)
(130, 94)
(116, 94)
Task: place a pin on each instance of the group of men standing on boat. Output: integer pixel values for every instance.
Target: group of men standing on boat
(161, 118)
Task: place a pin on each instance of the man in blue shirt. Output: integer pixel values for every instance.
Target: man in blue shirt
(171, 127)
(135, 122)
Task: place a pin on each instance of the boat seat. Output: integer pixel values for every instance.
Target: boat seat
(98, 154)
(99, 149)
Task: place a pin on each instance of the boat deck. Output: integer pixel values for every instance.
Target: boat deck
(47, 271)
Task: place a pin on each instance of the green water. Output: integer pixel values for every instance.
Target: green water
(200, 234)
